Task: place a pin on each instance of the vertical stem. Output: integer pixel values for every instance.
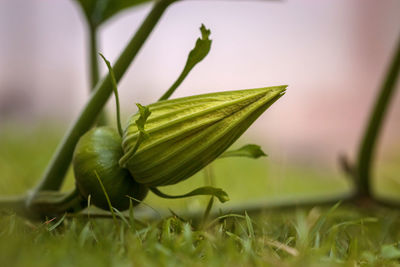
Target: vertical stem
(94, 63)
(372, 131)
(58, 166)
(94, 66)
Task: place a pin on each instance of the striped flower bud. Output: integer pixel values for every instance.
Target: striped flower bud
(186, 134)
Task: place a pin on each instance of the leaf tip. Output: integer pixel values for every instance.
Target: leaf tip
(205, 33)
(222, 196)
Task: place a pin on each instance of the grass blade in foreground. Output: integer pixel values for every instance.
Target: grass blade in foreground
(186, 134)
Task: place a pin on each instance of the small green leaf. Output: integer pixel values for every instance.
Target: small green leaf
(141, 121)
(144, 114)
(201, 49)
(250, 151)
(197, 54)
(98, 11)
(205, 190)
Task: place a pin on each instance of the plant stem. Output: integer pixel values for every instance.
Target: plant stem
(175, 85)
(52, 203)
(115, 89)
(373, 129)
(94, 63)
(94, 66)
(58, 166)
(15, 204)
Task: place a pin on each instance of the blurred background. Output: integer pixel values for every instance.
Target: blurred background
(332, 54)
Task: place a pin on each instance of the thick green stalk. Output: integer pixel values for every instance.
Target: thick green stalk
(53, 203)
(94, 66)
(373, 129)
(57, 168)
(15, 204)
(94, 63)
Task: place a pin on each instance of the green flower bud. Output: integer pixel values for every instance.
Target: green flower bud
(186, 134)
(97, 154)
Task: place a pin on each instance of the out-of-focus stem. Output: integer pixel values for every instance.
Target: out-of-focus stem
(13, 203)
(367, 147)
(94, 66)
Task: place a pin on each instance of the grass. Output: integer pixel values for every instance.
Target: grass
(329, 236)
(298, 238)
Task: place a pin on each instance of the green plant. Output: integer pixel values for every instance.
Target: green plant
(365, 156)
(156, 149)
(360, 173)
(163, 144)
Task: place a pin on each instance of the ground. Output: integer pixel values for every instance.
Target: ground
(337, 234)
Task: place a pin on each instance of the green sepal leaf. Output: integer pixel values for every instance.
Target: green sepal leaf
(197, 54)
(144, 113)
(98, 11)
(250, 151)
(141, 121)
(201, 49)
(205, 190)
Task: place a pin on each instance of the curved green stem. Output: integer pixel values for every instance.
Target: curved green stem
(13, 203)
(115, 89)
(201, 191)
(57, 168)
(196, 55)
(372, 131)
(175, 85)
(45, 203)
(49, 203)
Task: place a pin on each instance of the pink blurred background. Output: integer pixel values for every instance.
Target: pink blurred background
(332, 54)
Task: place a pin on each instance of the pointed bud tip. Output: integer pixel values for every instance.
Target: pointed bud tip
(278, 90)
